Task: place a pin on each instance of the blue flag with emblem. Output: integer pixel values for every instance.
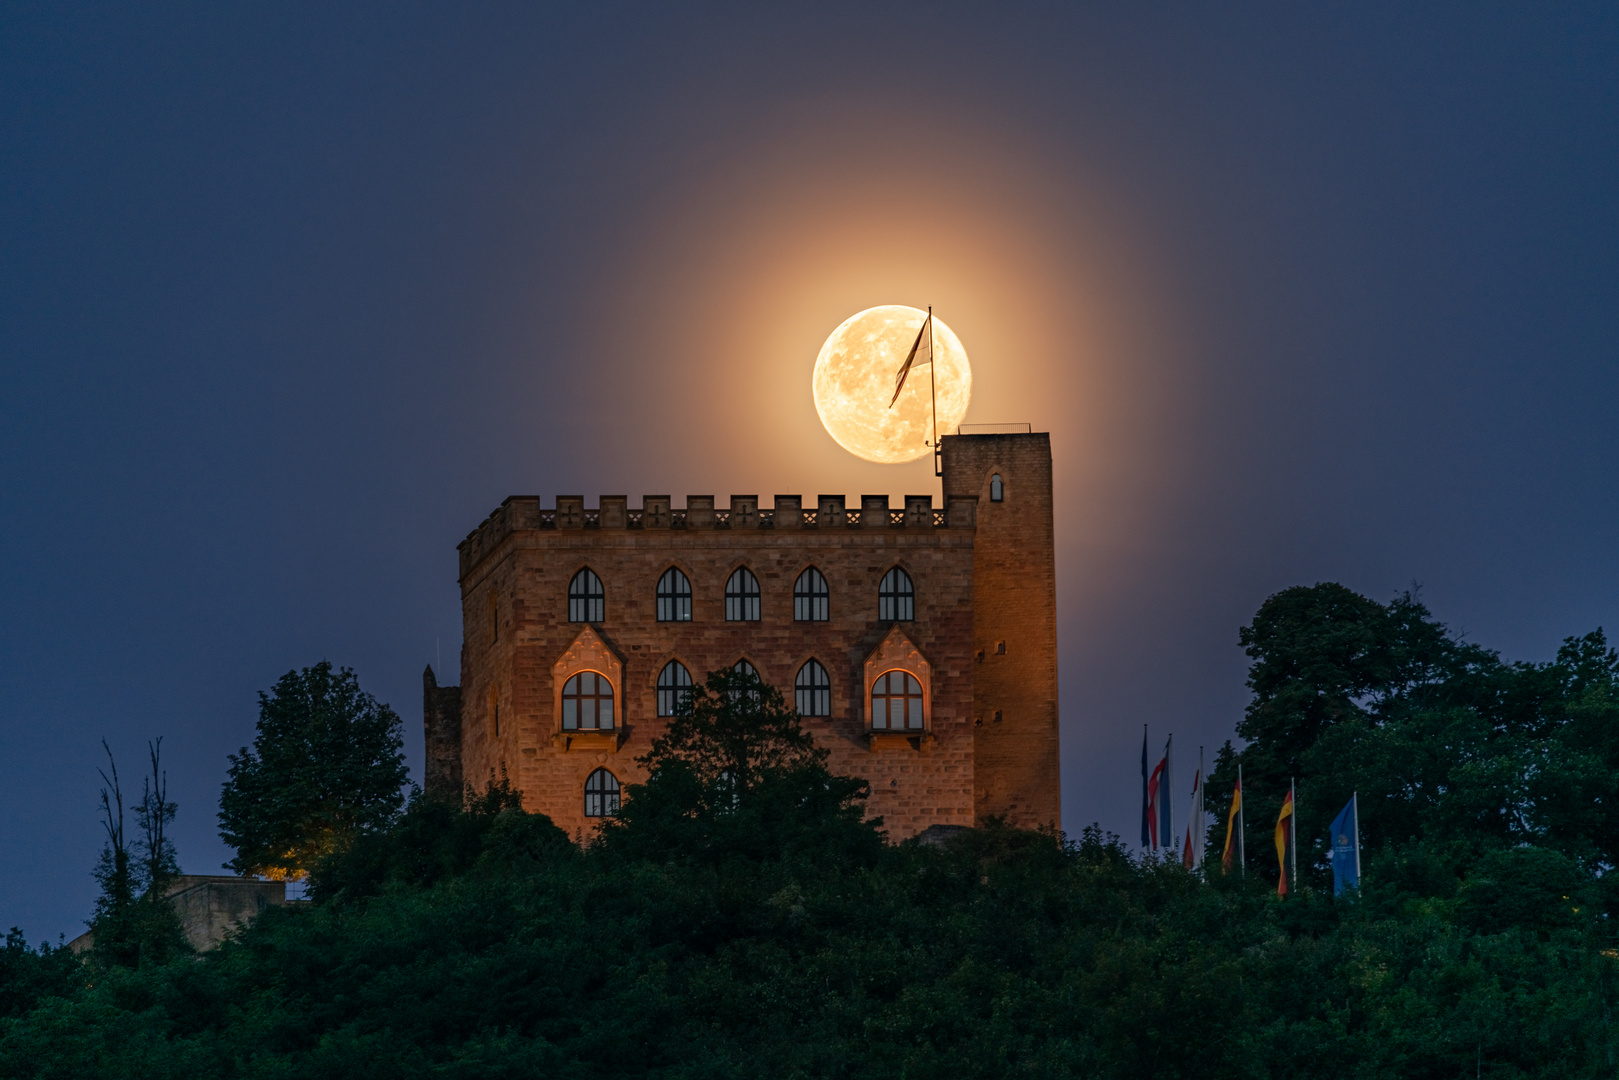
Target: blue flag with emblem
(1346, 848)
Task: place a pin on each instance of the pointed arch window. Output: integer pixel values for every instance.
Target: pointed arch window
(896, 702)
(747, 671)
(674, 597)
(896, 597)
(996, 491)
(587, 602)
(674, 688)
(742, 596)
(601, 794)
(587, 703)
(813, 690)
(811, 598)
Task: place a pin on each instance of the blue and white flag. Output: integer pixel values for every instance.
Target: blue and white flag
(1346, 848)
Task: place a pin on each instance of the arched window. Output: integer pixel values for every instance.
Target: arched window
(995, 491)
(601, 794)
(586, 601)
(587, 703)
(674, 688)
(896, 702)
(810, 597)
(742, 596)
(743, 668)
(674, 597)
(896, 597)
(814, 690)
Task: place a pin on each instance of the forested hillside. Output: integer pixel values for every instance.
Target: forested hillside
(740, 919)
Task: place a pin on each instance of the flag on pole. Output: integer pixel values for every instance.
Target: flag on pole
(1346, 847)
(1166, 799)
(1233, 830)
(1284, 842)
(1192, 850)
(1158, 823)
(921, 354)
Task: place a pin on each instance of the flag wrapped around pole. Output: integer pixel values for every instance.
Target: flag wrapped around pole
(1157, 799)
(1346, 847)
(1192, 850)
(1233, 828)
(1166, 797)
(1285, 850)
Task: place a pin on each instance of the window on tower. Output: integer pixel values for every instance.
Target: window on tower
(674, 597)
(996, 492)
(742, 596)
(586, 600)
(601, 794)
(811, 599)
(587, 703)
(896, 597)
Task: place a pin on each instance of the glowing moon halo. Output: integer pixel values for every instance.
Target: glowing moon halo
(854, 378)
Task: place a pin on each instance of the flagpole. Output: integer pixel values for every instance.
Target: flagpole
(1293, 832)
(1354, 797)
(933, 393)
(1242, 827)
(1202, 828)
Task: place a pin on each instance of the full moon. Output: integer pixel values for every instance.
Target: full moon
(854, 380)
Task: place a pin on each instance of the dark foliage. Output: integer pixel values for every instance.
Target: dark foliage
(740, 919)
(326, 766)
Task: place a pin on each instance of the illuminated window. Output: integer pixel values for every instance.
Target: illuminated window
(896, 702)
(586, 601)
(814, 690)
(601, 794)
(674, 597)
(674, 688)
(587, 703)
(810, 597)
(742, 597)
(896, 597)
(995, 491)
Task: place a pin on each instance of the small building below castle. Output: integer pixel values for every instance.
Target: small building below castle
(918, 642)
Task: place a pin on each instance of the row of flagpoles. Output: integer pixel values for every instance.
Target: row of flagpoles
(1158, 825)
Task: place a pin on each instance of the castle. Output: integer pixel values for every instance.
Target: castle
(918, 643)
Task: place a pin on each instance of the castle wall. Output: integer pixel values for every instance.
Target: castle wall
(1015, 759)
(516, 569)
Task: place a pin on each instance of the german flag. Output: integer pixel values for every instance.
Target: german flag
(1233, 830)
(1284, 841)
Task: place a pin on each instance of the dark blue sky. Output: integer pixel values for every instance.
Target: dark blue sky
(291, 298)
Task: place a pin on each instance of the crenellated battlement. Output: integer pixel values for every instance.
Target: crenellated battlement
(524, 512)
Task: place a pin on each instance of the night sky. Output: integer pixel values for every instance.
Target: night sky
(291, 298)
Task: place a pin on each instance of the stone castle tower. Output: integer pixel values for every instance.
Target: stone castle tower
(920, 644)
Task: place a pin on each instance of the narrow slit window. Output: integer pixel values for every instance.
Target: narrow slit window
(811, 598)
(814, 690)
(896, 597)
(674, 597)
(587, 602)
(996, 491)
(742, 596)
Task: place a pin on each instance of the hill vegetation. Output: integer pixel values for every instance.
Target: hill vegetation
(739, 918)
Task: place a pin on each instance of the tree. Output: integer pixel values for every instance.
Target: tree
(134, 923)
(735, 771)
(326, 765)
